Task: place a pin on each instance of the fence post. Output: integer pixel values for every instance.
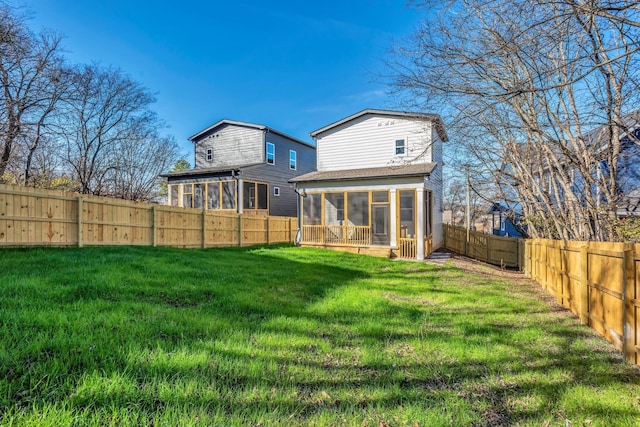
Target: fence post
(204, 228)
(584, 285)
(80, 226)
(239, 229)
(628, 296)
(268, 230)
(445, 229)
(488, 249)
(154, 227)
(558, 277)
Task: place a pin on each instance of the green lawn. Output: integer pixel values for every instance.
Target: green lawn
(292, 336)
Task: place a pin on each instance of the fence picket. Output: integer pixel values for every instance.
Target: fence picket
(55, 218)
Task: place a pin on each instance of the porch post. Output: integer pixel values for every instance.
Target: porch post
(240, 196)
(393, 218)
(420, 220)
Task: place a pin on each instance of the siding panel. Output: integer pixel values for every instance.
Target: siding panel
(278, 174)
(369, 141)
(232, 145)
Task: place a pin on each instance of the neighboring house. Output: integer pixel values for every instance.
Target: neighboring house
(506, 221)
(244, 168)
(378, 186)
(629, 171)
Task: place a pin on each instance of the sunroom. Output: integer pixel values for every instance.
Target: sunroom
(378, 211)
(218, 189)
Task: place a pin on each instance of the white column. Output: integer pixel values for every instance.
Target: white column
(420, 217)
(393, 218)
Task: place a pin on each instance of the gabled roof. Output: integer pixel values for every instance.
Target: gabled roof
(209, 171)
(199, 135)
(498, 207)
(598, 137)
(422, 169)
(435, 118)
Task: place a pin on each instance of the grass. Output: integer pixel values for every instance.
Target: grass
(292, 336)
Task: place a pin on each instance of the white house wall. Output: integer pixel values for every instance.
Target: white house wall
(369, 141)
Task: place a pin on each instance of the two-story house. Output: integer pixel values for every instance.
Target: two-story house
(242, 167)
(378, 185)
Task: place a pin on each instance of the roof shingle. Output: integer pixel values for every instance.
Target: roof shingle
(422, 169)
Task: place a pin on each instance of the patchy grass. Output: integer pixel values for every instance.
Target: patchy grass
(291, 336)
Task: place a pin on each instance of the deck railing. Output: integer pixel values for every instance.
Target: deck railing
(349, 235)
(408, 248)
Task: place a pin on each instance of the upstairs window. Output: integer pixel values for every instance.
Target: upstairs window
(293, 160)
(271, 153)
(209, 154)
(400, 146)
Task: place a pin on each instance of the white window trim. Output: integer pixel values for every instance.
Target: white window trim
(209, 154)
(267, 153)
(276, 191)
(295, 159)
(404, 146)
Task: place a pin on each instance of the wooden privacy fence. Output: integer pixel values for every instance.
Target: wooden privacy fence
(34, 217)
(502, 251)
(598, 281)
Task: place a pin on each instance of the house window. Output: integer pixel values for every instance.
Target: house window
(271, 153)
(263, 198)
(407, 225)
(187, 195)
(213, 195)
(209, 154)
(229, 195)
(502, 223)
(199, 196)
(276, 191)
(174, 194)
(400, 146)
(358, 208)
(311, 209)
(293, 159)
(255, 196)
(333, 208)
(251, 200)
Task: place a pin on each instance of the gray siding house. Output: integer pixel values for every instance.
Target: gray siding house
(242, 167)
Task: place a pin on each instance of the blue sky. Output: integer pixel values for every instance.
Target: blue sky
(291, 65)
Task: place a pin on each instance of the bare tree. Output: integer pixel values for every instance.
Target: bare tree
(30, 75)
(104, 107)
(139, 161)
(524, 82)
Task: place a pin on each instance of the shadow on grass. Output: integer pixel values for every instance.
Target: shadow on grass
(290, 334)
